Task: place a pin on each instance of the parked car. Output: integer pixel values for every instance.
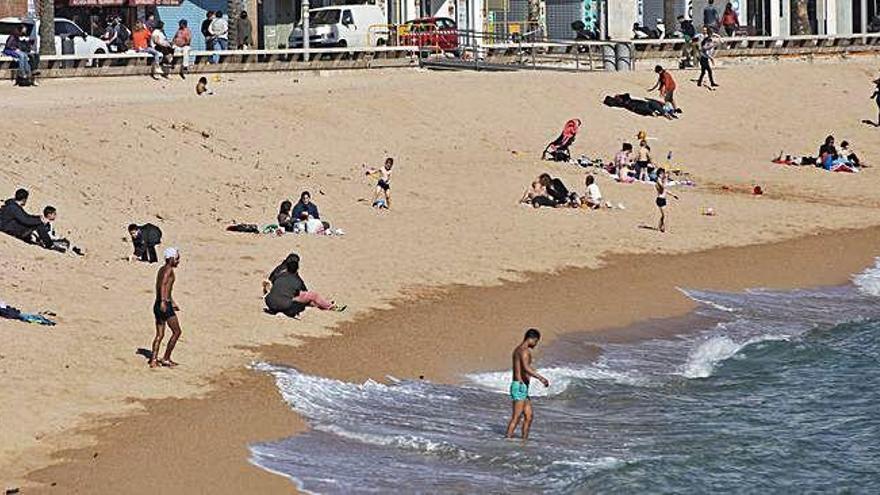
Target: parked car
(440, 32)
(65, 30)
(345, 25)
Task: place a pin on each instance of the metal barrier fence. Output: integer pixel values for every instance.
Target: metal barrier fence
(756, 46)
(123, 64)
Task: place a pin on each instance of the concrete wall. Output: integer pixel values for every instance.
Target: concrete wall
(194, 13)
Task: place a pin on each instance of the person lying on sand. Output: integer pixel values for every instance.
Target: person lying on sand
(537, 189)
(286, 292)
(165, 310)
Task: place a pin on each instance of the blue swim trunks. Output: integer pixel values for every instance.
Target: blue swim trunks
(519, 391)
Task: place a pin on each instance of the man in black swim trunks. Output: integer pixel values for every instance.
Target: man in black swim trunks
(165, 310)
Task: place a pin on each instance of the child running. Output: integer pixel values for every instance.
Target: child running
(661, 186)
(382, 197)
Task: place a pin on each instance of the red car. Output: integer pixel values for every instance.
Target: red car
(441, 32)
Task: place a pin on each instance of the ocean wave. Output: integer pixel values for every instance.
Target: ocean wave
(405, 442)
(561, 378)
(868, 281)
(703, 360)
(693, 295)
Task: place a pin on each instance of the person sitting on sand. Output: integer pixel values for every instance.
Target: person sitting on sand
(847, 152)
(15, 221)
(623, 162)
(305, 207)
(560, 193)
(202, 87)
(285, 219)
(144, 239)
(593, 197)
(827, 153)
(286, 292)
(382, 196)
(46, 237)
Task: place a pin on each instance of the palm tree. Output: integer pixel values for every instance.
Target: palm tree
(47, 27)
(801, 17)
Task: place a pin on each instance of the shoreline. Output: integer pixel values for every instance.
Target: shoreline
(212, 433)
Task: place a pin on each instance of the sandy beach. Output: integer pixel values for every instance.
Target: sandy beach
(456, 265)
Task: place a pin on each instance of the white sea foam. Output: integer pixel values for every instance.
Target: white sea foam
(707, 302)
(406, 442)
(869, 280)
(705, 357)
(560, 379)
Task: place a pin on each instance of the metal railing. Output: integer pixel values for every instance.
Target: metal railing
(203, 61)
(759, 46)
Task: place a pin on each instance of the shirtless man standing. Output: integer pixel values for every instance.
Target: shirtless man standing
(164, 310)
(519, 388)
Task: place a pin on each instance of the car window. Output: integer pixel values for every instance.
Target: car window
(322, 17)
(65, 28)
(7, 27)
(347, 18)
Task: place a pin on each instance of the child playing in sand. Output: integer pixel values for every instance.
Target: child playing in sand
(202, 87)
(383, 187)
(661, 186)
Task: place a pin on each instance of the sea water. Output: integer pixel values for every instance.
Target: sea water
(757, 392)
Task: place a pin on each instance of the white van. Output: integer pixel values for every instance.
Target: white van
(353, 26)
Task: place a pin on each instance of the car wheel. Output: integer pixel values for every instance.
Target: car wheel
(342, 44)
(381, 42)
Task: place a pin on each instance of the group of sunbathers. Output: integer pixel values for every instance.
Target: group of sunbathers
(830, 157)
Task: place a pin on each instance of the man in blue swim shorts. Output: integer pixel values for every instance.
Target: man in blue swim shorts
(519, 388)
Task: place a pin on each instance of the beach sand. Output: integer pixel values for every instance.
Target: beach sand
(109, 152)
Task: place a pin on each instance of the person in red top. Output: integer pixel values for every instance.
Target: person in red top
(666, 85)
(729, 20)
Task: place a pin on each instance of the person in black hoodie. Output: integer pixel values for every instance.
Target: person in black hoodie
(144, 239)
(17, 222)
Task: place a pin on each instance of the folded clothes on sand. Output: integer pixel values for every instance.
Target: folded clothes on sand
(13, 313)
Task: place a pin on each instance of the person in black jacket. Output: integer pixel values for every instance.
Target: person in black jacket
(305, 206)
(285, 291)
(145, 238)
(17, 222)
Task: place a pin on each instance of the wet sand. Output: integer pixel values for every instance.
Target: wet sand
(439, 337)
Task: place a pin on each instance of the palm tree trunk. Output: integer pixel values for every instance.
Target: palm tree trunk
(47, 27)
(669, 17)
(801, 17)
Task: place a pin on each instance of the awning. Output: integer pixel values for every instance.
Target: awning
(154, 2)
(95, 3)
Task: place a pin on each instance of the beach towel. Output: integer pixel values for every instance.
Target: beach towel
(13, 313)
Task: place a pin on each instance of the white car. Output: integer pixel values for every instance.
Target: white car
(83, 44)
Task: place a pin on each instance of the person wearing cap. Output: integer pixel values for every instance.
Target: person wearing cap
(165, 310)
